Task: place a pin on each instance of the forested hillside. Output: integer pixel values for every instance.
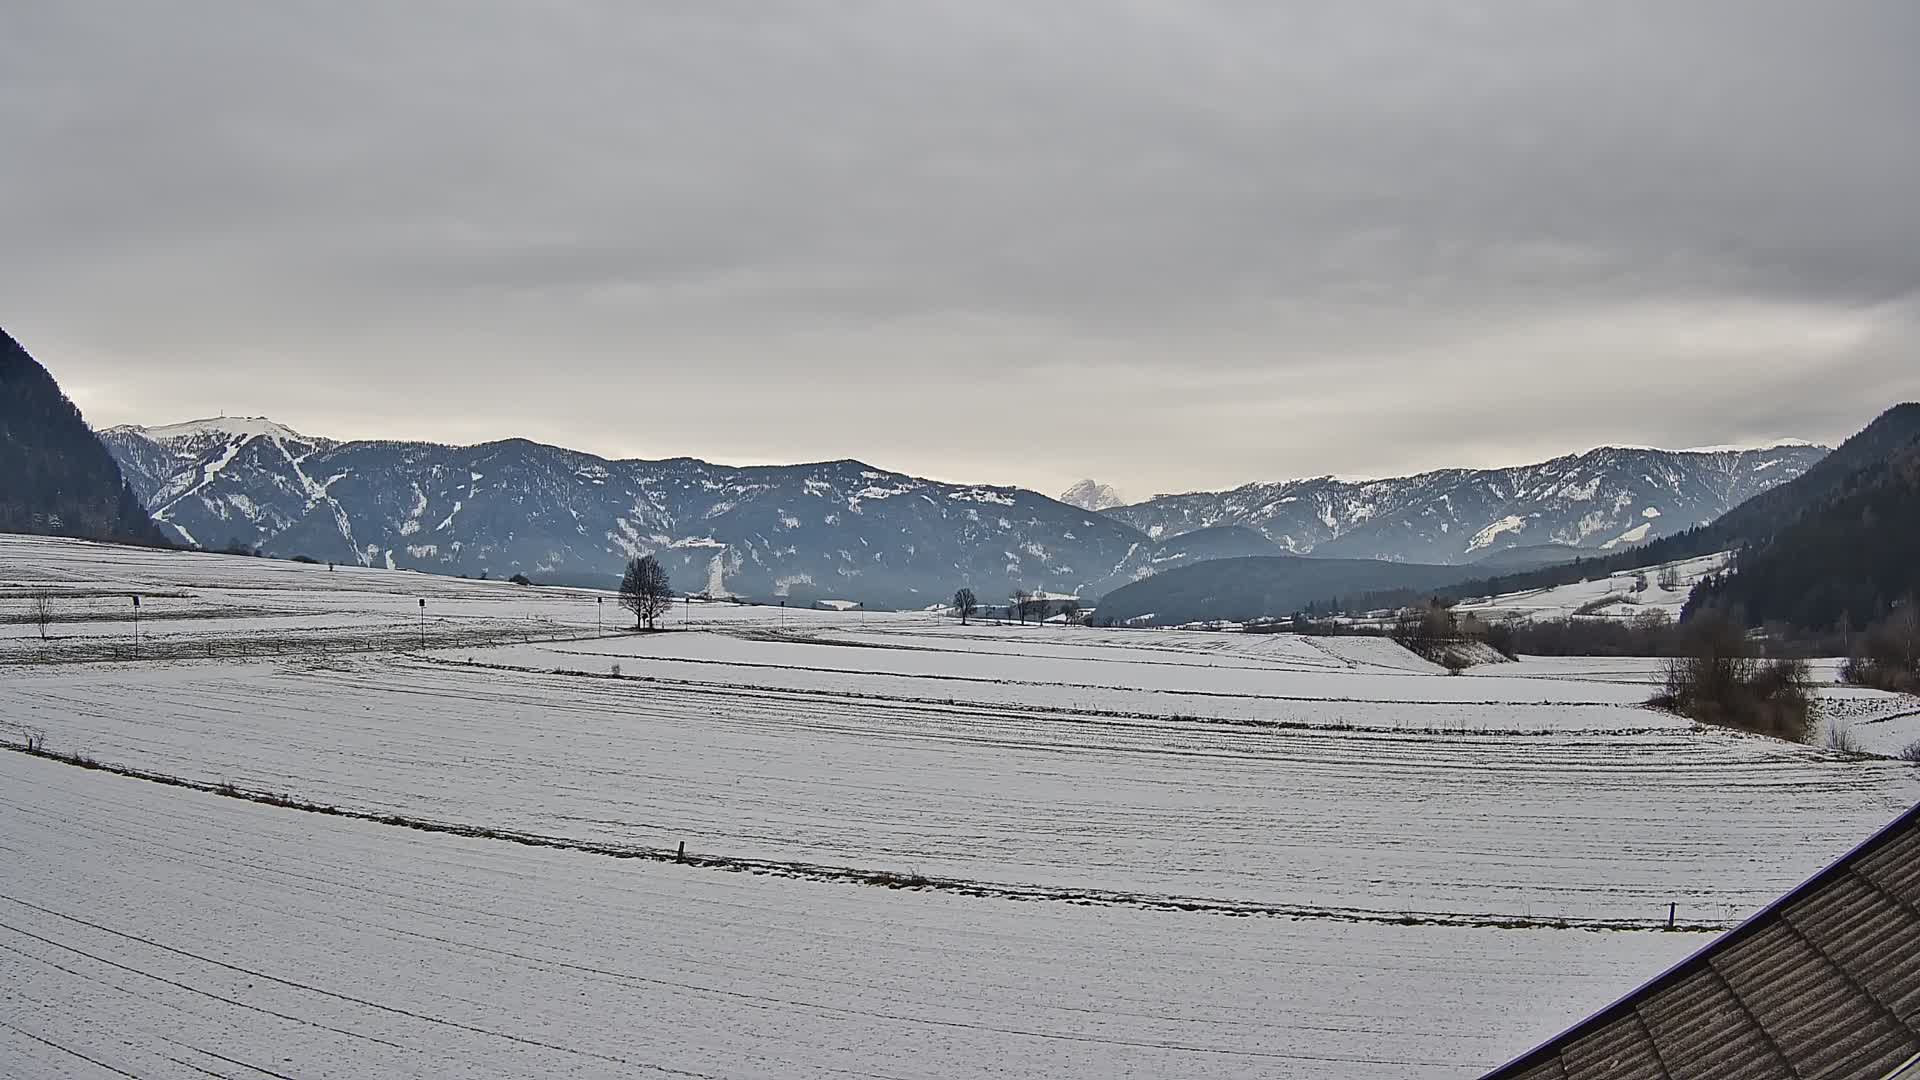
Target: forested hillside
(56, 479)
(1844, 564)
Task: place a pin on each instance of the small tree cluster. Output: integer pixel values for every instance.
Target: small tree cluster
(1426, 629)
(1887, 656)
(1718, 679)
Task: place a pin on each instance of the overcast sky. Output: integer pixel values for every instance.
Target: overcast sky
(1171, 244)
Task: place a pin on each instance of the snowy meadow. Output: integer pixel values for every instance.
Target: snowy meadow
(334, 832)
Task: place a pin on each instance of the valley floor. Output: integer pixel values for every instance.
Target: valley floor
(916, 849)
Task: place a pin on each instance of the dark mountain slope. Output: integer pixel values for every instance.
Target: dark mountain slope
(1766, 513)
(56, 479)
(1187, 549)
(1258, 587)
(1844, 563)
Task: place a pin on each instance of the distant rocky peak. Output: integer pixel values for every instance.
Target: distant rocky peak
(1092, 495)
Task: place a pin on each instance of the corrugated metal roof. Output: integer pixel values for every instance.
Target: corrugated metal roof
(1823, 983)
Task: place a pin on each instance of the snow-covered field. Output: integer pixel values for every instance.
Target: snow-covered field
(228, 606)
(1152, 853)
(165, 933)
(1876, 722)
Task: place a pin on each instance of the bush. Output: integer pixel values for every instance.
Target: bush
(1866, 671)
(1717, 680)
(520, 579)
(1455, 661)
(1601, 603)
(1503, 637)
(1887, 657)
(1841, 739)
(306, 559)
(1911, 753)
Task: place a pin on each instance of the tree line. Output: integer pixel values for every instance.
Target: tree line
(1021, 605)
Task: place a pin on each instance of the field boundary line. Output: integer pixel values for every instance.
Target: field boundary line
(891, 879)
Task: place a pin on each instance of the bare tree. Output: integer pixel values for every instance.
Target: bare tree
(1669, 579)
(966, 604)
(40, 610)
(646, 591)
(1021, 602)
(1070, 608)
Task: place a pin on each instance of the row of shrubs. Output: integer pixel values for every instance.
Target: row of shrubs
(1887, 656)
(1719, 678)
(1716, 671)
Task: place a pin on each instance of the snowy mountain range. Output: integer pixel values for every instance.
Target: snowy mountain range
(846, 530)
(1603, 499)
(837, 529)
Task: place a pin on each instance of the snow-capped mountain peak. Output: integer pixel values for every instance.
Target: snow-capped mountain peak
(224, 427)
(1742, 448)
(1090, 495)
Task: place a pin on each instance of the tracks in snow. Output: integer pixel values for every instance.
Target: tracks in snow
(806, 871)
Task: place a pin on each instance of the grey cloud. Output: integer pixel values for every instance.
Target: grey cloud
(1221, 241)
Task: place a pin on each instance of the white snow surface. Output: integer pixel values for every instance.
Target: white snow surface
(1097, 803)
(168, 933)
(231, 427)
(1566, 601)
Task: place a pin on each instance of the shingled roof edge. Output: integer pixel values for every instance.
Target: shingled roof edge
(1747, 928)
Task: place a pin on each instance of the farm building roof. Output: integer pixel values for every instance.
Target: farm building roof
(1825, 982)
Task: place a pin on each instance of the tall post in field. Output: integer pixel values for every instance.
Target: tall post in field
(136, 626)
(423, 623)
(599, 605)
